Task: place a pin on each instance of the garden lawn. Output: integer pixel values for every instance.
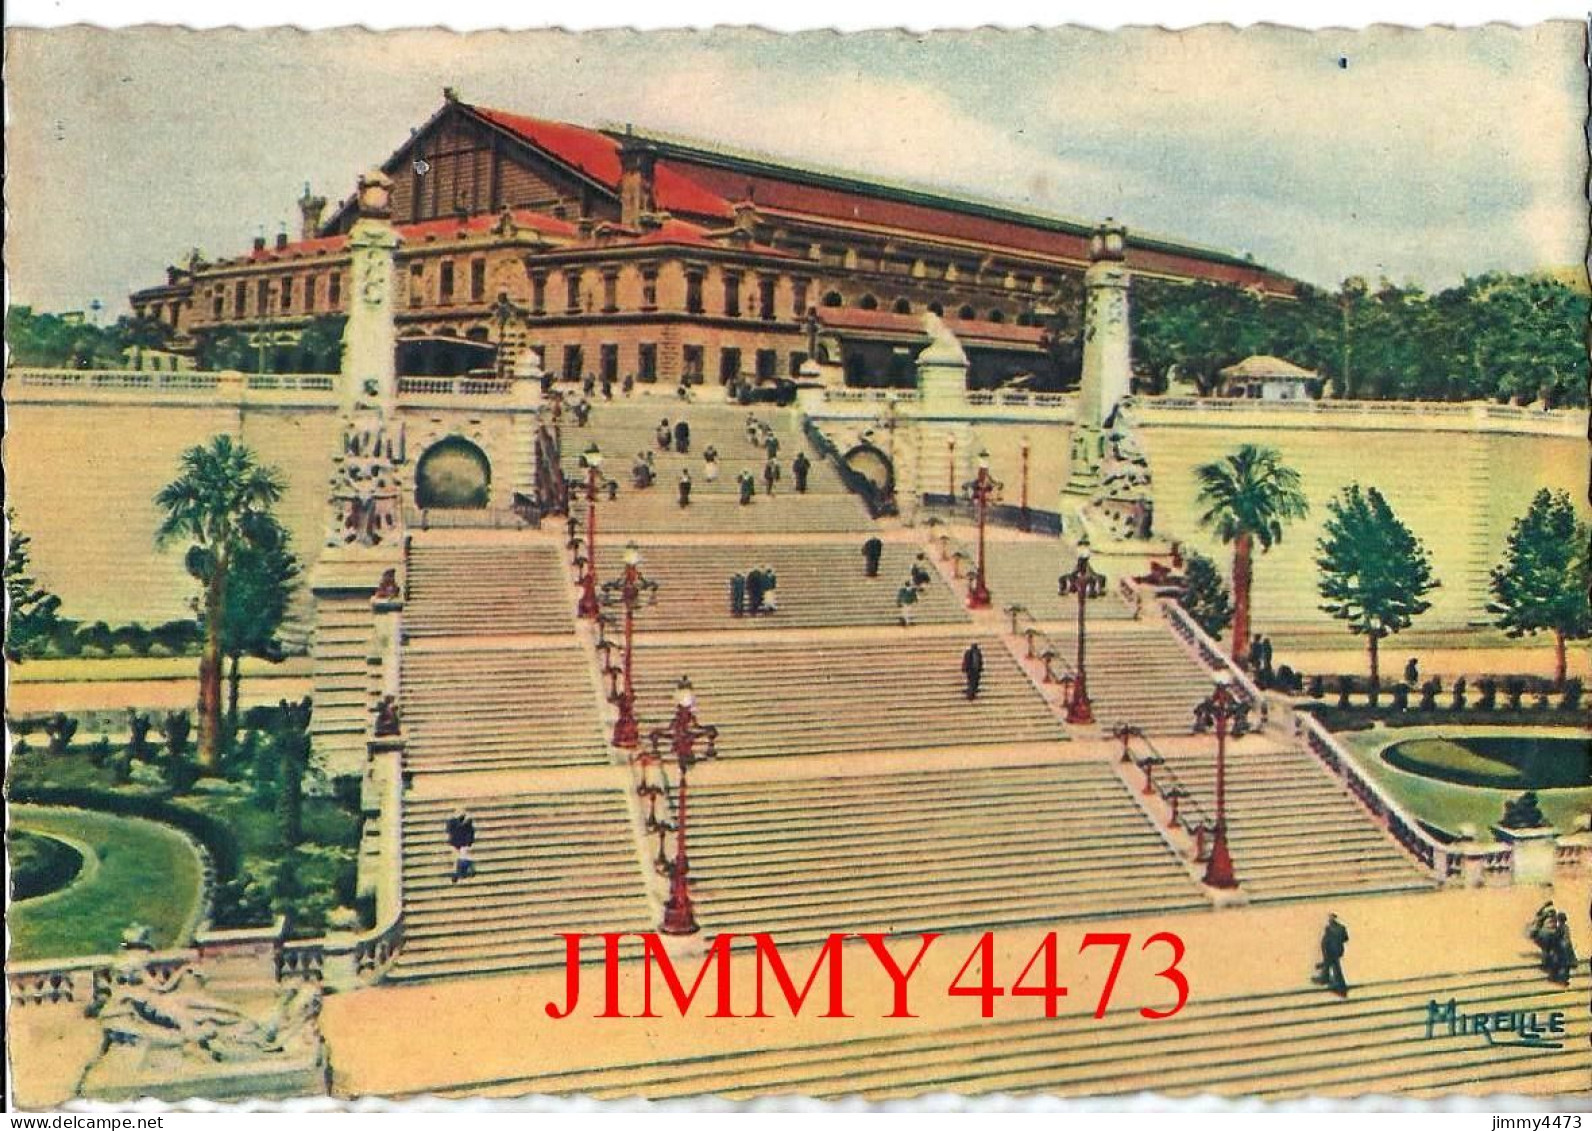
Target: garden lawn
(1447, 805)
(145, 873)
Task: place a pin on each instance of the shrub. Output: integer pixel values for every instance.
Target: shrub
(1570, 700)
(61, 728)
(1429, 692)
(176, 729)
(217, 838)
(1489, 695)
(63, 640)
(1318, 686)
(139, 748)
(1345, 685)
(176, 636)
(1401, 696)
(1523, 812)
(101, 752)
(1514, 687)
(97, 636)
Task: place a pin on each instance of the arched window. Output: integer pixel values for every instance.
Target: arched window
(967, 314)
(833, 298)
(997, 316)
(902, 306)
(936, 309)
(868, 302)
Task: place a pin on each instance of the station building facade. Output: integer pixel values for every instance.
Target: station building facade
(616, 251)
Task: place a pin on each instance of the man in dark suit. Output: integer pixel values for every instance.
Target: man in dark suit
(872, 551)
(1329, 971)
(799, 468)
(973, 669)
(461, 838)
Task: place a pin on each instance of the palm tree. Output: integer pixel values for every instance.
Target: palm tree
(1248, 498)
(221, 501)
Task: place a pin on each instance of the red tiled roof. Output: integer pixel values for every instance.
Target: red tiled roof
(597, 156)
(681, 233)
(883, 322)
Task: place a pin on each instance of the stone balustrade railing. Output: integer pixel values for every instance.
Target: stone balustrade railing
(456, 386)
(1210, 654)
(1441, 860)
(34, 383)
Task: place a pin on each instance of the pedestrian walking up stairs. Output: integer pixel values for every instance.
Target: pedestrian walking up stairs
(821, 585)
(546, 862)
(1293, 830)
(942, 850)
(500, 709)
(846, 696)
(507, 585)
(1275, 1046)
(1138, 676)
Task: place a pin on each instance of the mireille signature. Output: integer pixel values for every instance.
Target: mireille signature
(1503, 1028)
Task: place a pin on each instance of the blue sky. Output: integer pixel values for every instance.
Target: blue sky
(1421, 156)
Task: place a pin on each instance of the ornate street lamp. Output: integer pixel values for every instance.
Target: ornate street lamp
(682, 735)
(627, 592)
(1087, 583)
(1025, 520)
(588, 607)
(981, 490)
(950, 467)
(1220, 709)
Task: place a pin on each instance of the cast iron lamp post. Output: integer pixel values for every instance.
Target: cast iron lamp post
(588, 607)
(683, 734)
(981, 490)
(627, 591)
(1087, 583)
(1220, 709)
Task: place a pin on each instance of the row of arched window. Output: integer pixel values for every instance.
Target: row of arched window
(904, 306)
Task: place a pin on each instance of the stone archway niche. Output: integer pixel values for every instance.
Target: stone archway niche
(453, 474)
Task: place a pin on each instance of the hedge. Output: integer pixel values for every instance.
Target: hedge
(216, 837)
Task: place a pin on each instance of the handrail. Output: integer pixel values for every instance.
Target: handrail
(1161, 779)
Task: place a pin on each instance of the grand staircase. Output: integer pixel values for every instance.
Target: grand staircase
(508, 585)
(546, 863)
(1293, 831)
(500, 709)
(926, 851)
(847, 697)
(1274, 1046)
(821, 585)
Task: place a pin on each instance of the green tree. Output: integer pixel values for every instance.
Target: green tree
(31, 619)
(1375, 573)
(1248, 498)
(220, 502)
(1205, 595)
(263, 575)
(292, 740)
(140, 333)
(1541, 584)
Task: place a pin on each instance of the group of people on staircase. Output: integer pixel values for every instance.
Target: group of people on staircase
(754, 592)
(1550, 931)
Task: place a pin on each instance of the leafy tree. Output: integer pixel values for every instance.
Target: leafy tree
(31, 619)
(220, 502)
(1205, 595)
(59, 342)
(292, 742)
(1541, 585)
(1374, 572)
(138, 334)
(263, 576)
(1248, 498)
(61, 728)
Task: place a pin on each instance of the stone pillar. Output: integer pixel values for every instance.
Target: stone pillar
(1107, 364)
(370, 338)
